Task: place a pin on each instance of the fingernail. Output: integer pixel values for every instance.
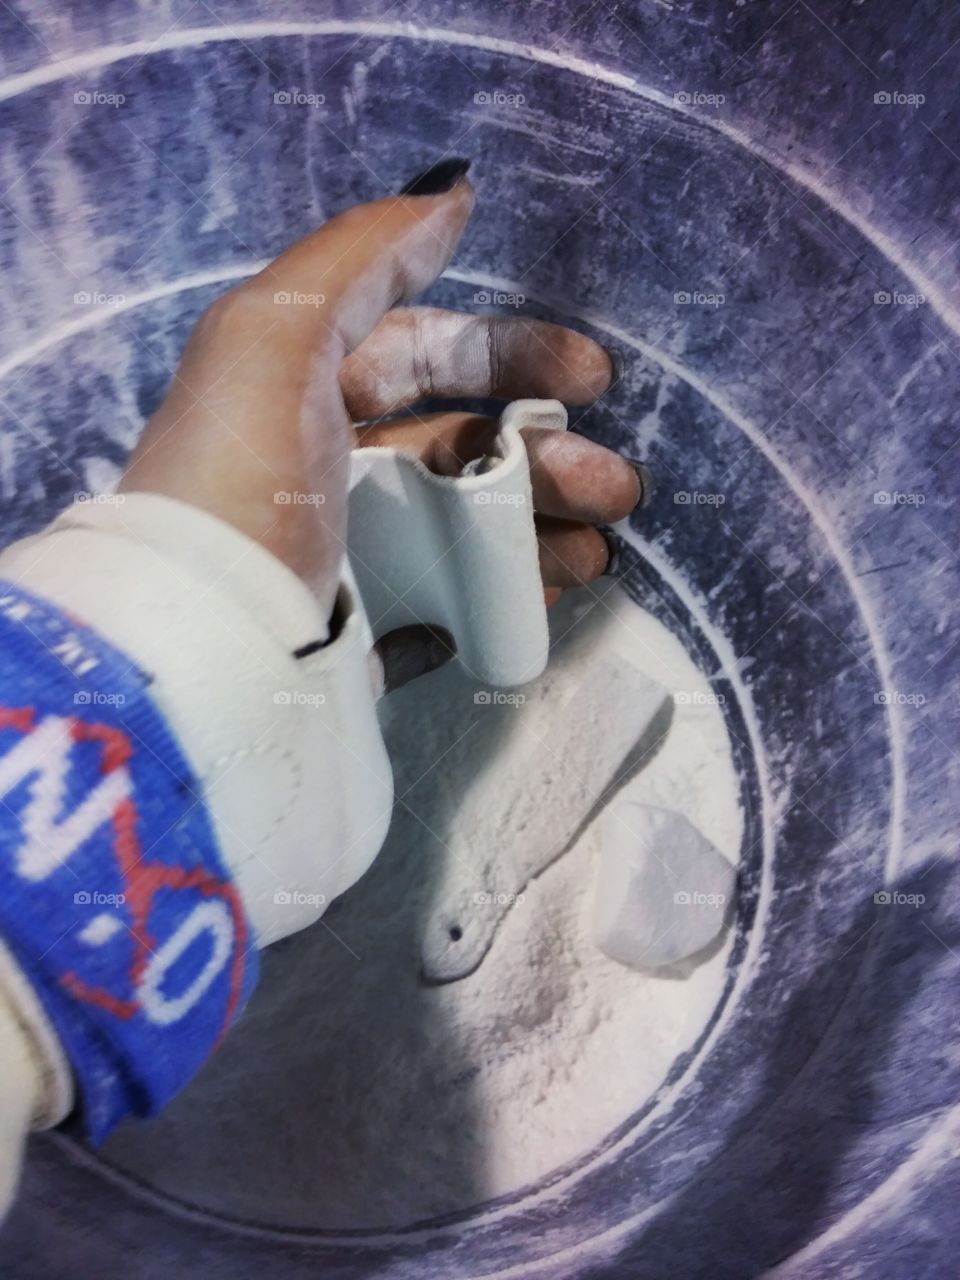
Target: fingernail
(616, 360)
(613, 547)
(648, 485)
(440, 177)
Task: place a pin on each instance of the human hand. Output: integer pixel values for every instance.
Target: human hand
(269, 390)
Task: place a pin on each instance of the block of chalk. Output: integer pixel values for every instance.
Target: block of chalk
(663, 889)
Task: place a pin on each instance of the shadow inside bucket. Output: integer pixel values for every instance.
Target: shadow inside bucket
(825, 1114)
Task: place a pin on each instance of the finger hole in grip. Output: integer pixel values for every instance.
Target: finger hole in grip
(456, 551)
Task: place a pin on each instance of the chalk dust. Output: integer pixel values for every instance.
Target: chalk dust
(352, 1094)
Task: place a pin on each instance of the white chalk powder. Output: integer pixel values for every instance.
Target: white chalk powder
(353, 1095)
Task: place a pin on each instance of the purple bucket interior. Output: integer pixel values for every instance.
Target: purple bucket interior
(741, 201)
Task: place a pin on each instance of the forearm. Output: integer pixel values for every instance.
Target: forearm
(177, 787)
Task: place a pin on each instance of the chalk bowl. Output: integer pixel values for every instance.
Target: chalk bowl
(790, 414)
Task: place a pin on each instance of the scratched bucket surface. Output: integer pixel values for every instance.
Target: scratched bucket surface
(749, 208)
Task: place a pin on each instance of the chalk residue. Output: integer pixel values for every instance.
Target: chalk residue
(354, 1095)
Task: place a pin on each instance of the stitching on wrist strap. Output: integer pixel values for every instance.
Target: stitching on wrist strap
(114, 899)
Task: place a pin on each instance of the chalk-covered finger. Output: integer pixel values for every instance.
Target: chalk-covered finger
(571, 554)
(572, 478)
(416, 352)
(257, 399)
(369, 258)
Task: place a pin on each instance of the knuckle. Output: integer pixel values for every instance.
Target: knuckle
(496, 334)
(234, 311)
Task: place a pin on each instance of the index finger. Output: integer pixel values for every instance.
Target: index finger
(371, 257)
(256, 396)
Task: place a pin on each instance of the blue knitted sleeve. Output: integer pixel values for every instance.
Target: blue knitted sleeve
(114, 899)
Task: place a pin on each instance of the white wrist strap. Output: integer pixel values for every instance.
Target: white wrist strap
(288, 751)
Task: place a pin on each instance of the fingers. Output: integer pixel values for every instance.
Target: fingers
(575, 483)
(576, 479)
(256, 407)
(572, 478)
(571, 554)
(365, 261)
(416, 352)
(444, 442)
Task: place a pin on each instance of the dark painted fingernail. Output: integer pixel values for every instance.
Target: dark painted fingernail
(440, 177)
(648, 484)
(613, 547)
(616, 360)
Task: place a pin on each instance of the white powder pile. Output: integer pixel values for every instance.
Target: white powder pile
(355, 1095)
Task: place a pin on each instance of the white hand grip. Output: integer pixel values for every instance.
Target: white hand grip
(456, 551)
